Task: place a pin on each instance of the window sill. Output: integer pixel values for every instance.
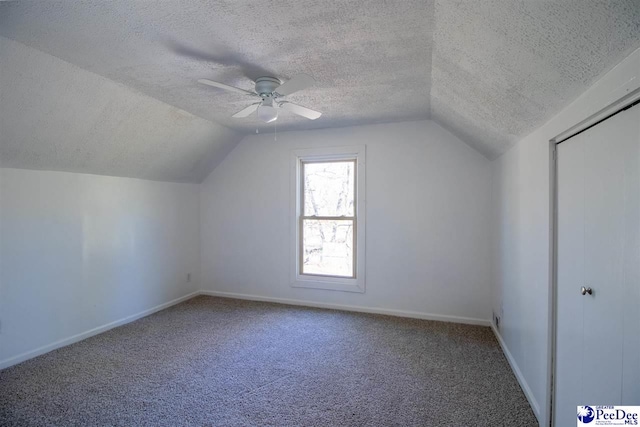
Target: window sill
(329, 283)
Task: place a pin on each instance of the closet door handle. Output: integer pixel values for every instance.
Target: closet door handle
(585, 291)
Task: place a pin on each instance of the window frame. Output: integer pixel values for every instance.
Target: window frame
(302, 218)
(318, 155)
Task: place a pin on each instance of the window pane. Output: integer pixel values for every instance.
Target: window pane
(329, 189)
(327, 247)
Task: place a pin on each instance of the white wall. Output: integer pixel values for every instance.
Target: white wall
(427, 206)
(521, 257)
(80, 251)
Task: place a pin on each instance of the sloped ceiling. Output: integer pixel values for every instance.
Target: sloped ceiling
(502, 68)
(490, 71)
(55, 116)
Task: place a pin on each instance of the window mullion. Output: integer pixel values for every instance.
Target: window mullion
(329, 218)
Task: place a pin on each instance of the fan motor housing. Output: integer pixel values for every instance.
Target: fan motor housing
(266, 85)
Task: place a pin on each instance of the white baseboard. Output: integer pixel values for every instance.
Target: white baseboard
(516, 370)
(360, 309)
(400, 313)
(95, 331)
(391, 312)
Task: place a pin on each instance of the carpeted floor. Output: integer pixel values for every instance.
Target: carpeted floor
(222, 362)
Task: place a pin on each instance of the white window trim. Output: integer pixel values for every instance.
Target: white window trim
(299, 280)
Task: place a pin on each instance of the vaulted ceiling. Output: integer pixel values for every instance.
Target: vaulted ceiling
(490, 71)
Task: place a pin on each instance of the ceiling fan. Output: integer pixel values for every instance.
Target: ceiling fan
(271, 90)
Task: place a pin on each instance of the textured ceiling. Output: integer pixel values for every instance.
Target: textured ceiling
(502, 68)
(490, 71)
(55, 116)
(371, 59)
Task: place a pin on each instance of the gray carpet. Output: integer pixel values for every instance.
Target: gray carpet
(222, 362)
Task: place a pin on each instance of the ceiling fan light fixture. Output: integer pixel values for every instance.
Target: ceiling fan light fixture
(267, 113)
(271, 91)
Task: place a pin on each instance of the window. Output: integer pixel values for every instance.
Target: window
(327, 220)
(328, 212)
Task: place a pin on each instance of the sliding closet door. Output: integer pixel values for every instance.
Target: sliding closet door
(598, 286)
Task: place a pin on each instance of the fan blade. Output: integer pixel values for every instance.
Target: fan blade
(300, 110)
(226, 87)
(299, 82)
(247, 111)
